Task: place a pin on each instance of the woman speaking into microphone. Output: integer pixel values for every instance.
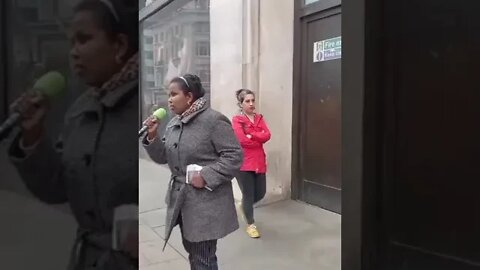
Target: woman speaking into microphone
(202, 205)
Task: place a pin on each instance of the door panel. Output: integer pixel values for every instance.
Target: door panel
(432, 211)
(320, 132)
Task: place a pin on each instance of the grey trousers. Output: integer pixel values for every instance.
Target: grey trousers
(202, 255)
(253, 186)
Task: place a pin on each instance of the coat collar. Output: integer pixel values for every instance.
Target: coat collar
(112, 98)
(256, 119)
(176, 121)
(90, 102)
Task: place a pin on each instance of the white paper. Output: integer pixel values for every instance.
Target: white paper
(193, 169)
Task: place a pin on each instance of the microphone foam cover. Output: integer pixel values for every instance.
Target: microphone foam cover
(52, 84)
(160, 113)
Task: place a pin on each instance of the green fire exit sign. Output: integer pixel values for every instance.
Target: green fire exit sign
(328, 49)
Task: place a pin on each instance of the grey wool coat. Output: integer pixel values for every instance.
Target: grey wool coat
(92, 168)
(204, 138)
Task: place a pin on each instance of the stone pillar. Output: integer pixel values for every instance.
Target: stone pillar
(252, 47)
(276, 92)
(226, 52)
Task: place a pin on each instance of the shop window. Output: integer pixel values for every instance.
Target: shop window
(149, 70)
(160, 56)
(203, 48)
(308, 2)
(202, 4)
(177, 49)
(178, 30)
(204, 75)
(202, 27)
(149, 55)
(150, 84)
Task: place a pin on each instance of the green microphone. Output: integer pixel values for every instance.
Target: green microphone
(159, 114)
(50, 85)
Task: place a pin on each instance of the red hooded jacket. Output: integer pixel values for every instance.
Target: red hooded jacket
(253, 152)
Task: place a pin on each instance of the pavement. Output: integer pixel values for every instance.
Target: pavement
(294, 235)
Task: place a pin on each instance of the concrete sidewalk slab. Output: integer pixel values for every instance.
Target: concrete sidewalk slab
(294, 235)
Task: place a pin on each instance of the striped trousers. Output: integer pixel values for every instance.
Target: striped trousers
(202, 255)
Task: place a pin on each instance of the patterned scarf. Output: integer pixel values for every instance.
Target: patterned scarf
(128, 73)
(195, 107)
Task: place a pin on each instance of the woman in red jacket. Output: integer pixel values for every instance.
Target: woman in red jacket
(252, 132)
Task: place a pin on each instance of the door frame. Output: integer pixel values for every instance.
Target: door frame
(362, 133)
(321, 9)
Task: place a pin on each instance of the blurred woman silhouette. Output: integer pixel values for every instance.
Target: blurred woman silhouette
(91, 167)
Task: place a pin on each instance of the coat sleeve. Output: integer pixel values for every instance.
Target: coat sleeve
(41, 169)
(229, 151)
(264, 135)
(242, 137)
(156, 149)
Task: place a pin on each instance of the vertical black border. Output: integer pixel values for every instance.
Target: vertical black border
(141, 62)
(353, 89)
(296, 112)
(3, 61)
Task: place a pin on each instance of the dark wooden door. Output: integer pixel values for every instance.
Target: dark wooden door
(320, 110)
(431, 195)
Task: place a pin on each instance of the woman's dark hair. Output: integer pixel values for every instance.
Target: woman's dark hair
(115, 17)
(190, 83)
(241, 94)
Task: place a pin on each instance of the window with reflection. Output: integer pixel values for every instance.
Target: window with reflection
(176, 40)
(308, 2)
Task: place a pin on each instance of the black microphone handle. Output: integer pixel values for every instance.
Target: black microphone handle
(12, 121)
(7, 126)
(142, 131)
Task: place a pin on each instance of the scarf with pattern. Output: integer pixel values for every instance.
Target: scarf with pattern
(128, 73)
(195, 107)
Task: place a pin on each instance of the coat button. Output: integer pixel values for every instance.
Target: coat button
(175, 145)
(87, 159)
(90, 214)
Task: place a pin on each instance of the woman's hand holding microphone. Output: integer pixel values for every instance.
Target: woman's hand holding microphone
(33, 108)
(152, 123)
(34, 105)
